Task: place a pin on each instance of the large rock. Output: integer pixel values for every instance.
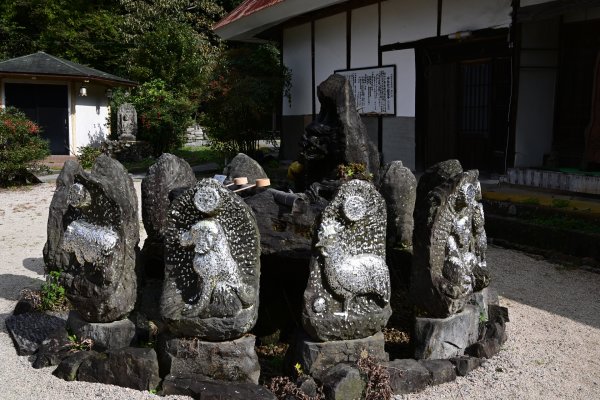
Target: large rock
(28, 331)
(106, 335)
(440, 371)
(442, 338)
(449, 243)
(212, 256)
(169, 173)
(67, 369)
(54, 349)
(407, 376)
(344, 382)
(130, 367)
(244, 166)
(200, 387)
(399, 189)
(234, 360)
(93, 232)
(348, 291)
(337, 136)
(316, 358)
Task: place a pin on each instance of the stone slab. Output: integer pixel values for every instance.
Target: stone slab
(106, 336)
(29, 330)
(465, 364)
(407, 376)
(201, 387)
(442, 338)
(343, 382)
(441, 371)
(234, 360)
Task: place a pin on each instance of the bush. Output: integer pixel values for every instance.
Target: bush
(20, 146)
(53, 295)
(87, 155)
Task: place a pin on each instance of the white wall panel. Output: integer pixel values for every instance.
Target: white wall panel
(296, 56)
(404, 60)
(91, 113)
(363, 37)
(405, 21)
(470, 15)
(330, 48)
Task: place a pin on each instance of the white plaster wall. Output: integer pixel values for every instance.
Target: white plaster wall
(330, 48)
(296, 56)
(404, 60)
(470, 15)
(405, 21)
(91, 113)
(363, 37)
(537, 87)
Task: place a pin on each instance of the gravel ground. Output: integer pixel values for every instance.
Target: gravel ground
(553, 351)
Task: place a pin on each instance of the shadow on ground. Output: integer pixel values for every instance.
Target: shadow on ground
(34, 264)
(11, 285)
(571, 293)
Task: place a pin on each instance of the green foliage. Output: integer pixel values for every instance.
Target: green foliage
(80, 344)
(20, 146)
(561, 203)
(52, 292)
(354, 171)
(87, 155)
(245, 93)
(534, 201)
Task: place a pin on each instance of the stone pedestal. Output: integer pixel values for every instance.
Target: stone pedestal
(482, 299)
(106, 335)
(442, 338)
(317, 357)
(233, 360)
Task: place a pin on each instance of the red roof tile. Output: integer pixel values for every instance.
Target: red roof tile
(246, 8)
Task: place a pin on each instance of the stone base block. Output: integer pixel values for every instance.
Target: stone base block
(200, 387)
(106, 335)
(317, 357)
(442, 338)
(232, 360)
(441, 371)
(483, 299)
(407, 376)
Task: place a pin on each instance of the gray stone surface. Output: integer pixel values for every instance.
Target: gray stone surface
(169, 173)
(126, 122)
(131, 367)
(337, 136)
(399, 189)
(449, 246)
(348, 291)
(343, 382)
(234, 360)
(106, 335)
(202, 388)
(28, 331)
(93, 232)
(317, 357)
(54, 349)
(441, 338)
(465, 364)
(482, 299)
(441, 371)
(212, 257)
(67, 369)
(244, 166)
(407, 376)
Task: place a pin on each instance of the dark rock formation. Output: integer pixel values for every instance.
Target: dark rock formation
(28, 331)
(337, 136)
(106, 336)
(67, 369)
(440, 371)
(234, 361)
(200, 387)
(54, 349)
(93, 233)
(407, 376)
(244, 166)
(449, 240)
(169, 173)
(344, 382)
(212, 256)
(465, 364)
(348, 292)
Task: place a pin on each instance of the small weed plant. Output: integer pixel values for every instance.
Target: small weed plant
(354, 171)
(78, 344)
(87, 155)
(378, 378)
(52, 292)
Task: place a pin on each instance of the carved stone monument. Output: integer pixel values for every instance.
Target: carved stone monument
(170, 174)
(126, 122)
(337, 136)
(211, 287)
(348, 291)
(449, 262)
(93, 233)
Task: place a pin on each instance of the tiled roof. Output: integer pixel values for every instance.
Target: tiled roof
(246, 8)
(41, 63)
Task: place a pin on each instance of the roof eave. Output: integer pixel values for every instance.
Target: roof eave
(113, 82)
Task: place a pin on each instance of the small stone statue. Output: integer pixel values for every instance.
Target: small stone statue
(127, 122)
(450, 241)
(93, 232)
(212, 253)
(348, 292)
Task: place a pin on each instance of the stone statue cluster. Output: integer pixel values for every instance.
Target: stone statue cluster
(198, 277)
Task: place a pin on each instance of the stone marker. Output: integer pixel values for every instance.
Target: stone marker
(126, 122)
(93, 233)
(348, 291)
(168, 175)
(212, 257)
(244, 166)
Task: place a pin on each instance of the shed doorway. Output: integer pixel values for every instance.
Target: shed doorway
(48, 106)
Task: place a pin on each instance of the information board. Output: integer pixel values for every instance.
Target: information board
(374, 89)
